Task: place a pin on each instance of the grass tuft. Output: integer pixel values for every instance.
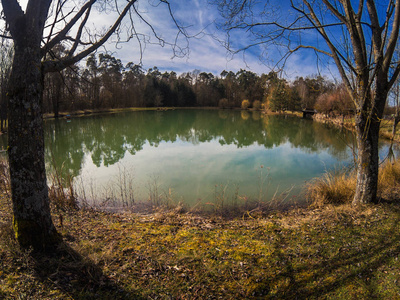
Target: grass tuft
(331, 188)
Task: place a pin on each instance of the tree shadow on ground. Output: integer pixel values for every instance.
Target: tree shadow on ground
(358, 265)
(78, 277)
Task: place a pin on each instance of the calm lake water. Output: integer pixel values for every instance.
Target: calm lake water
(193, 156)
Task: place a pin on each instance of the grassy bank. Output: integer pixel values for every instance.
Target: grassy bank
(335, 252)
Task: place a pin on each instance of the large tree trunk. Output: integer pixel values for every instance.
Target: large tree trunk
(367, 162)
(367, 134)
(33, 225)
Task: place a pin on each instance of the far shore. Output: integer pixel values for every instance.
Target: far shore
(88, 112)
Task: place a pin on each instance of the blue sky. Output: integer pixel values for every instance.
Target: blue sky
(206, 53)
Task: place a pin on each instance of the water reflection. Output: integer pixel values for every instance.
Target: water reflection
(108, 138)
(189, 152)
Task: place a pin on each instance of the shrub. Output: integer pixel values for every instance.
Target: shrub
(223, 103)
(257, 104)
(245, 104)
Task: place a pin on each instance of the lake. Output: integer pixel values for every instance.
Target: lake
(197, 157)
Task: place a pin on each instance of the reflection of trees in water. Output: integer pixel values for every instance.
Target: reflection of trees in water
(108, 138)
(311, 137)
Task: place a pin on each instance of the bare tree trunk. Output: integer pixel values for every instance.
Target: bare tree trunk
(367, 161)
(33, 225)
(368, 123)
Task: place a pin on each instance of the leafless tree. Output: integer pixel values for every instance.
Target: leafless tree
(360, 37)
(35, 31)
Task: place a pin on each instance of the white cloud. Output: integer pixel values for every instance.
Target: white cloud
(205, 53)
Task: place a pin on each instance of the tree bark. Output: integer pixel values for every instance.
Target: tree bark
(368, 123)
(367, 161)
(33, 225)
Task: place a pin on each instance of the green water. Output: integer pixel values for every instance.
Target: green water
(192, 156)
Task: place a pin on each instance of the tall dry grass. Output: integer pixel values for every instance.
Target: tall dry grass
(62, 192)
(389, 181)
(339, 187)
(331, 188)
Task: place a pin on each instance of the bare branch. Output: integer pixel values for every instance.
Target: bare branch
(337, 14)
(393, 38)
(54, 66)
(338, 58)
(56, 20)
(6, 36)
(79, 33)
(316, 49)
(13, 14)
(61, 35)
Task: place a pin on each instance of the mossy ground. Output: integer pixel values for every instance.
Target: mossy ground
(337, 252)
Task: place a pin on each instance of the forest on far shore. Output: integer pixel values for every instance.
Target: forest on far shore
(104, 83)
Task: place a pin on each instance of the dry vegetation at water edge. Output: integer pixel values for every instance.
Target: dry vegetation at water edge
(338, 188)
